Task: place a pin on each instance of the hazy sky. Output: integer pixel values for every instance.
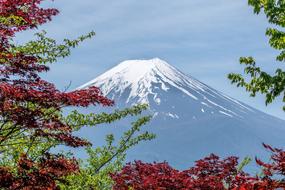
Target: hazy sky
(202, 38)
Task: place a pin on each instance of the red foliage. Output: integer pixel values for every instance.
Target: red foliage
(25, 97)
(142, 176)
(28, 10)
(208, 173)
(20, 83)
(40, 175)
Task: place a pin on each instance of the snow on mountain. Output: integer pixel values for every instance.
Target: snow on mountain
(138, 76)
(191, 119)
(142, 79)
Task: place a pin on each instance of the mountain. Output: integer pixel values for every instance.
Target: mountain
(191, 119)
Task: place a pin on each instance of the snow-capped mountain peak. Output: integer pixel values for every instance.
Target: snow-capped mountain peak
(147, 81)
(139, 75)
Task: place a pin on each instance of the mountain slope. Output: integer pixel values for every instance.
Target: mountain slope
(191, 119)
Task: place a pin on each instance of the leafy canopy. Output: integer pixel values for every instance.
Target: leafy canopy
(31, 109)
(271, 85)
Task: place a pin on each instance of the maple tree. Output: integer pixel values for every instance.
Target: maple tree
(31, 109)
(208, 173)
(29, 105)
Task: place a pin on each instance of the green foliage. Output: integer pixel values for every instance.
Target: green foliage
(21, 142)
(12, 20)
(271, 85)
(102, 161)
(244, 163)
(78, 120)
(47, 50)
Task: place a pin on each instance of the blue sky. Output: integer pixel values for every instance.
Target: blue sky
(202, 38)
